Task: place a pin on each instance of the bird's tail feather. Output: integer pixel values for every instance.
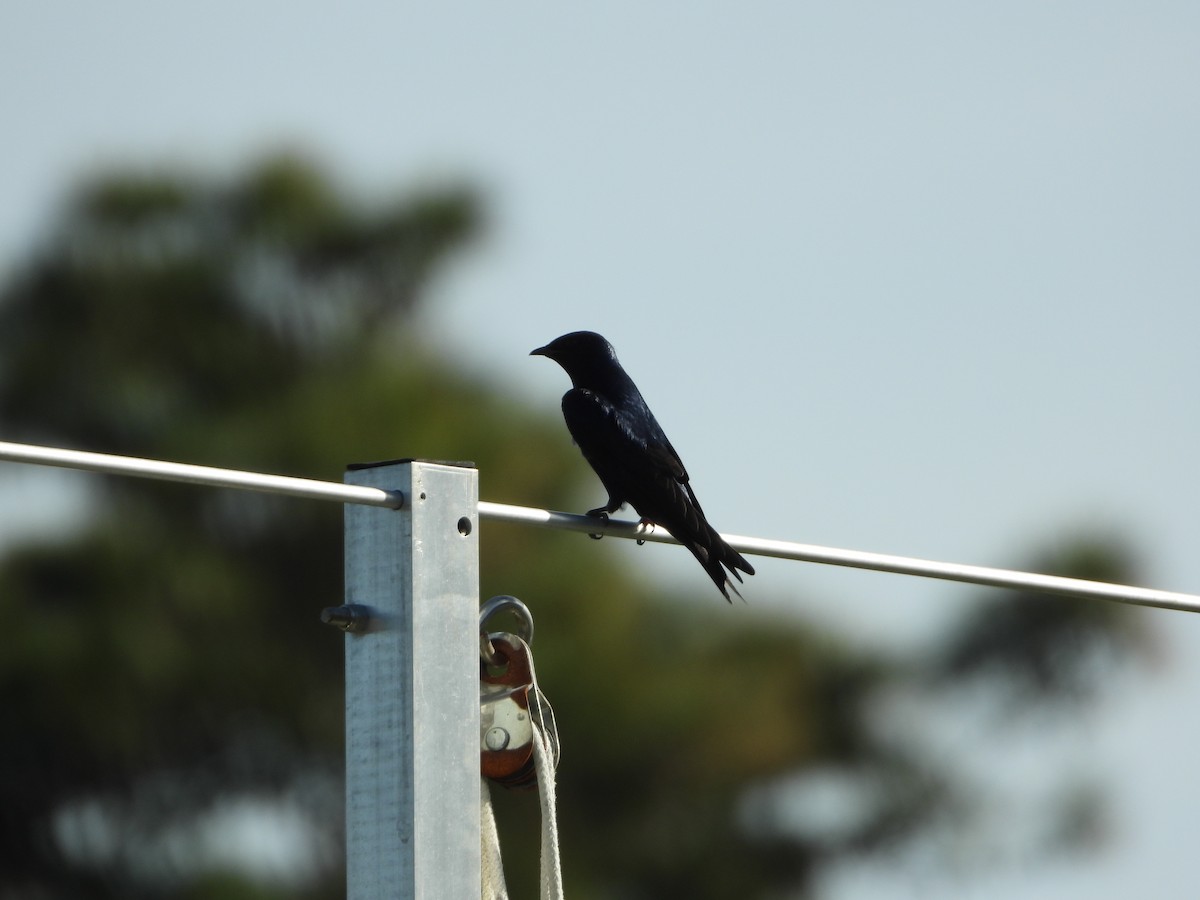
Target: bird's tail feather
(716, 556)
(690, 527)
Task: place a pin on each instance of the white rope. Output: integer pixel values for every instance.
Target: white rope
(492, 867)
(543, 761)
(494, 887)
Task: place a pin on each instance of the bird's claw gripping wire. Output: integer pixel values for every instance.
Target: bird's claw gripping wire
(598, 513)
(644, 526)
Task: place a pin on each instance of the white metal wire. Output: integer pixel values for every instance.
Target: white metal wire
(208, 475)
(879, 562)
(542, 518)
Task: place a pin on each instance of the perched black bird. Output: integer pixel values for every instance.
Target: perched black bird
(624, 443)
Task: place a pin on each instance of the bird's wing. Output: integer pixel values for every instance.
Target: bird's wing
(617, 446)
(653, 439)
(638, 465)
(665, 459)
(668, 460)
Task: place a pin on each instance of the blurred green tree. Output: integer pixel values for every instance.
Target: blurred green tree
(162, 667)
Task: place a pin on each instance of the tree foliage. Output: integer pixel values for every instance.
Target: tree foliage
(165, 660)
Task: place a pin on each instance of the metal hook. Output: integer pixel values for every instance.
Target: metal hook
(503, 603)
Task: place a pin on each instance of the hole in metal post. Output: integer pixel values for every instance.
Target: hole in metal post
(464, 526)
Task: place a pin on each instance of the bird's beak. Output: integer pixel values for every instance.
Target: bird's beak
(540, 351)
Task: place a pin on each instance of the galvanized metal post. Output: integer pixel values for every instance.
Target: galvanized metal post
(412, 686)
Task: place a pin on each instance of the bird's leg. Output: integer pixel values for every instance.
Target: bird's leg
(644, 526)
(600, 512)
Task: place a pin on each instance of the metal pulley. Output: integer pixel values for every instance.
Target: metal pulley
(510, 702)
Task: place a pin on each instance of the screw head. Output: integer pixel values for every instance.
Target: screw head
(350, 617)
(496, 738)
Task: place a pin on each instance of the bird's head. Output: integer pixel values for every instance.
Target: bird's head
(586, 356)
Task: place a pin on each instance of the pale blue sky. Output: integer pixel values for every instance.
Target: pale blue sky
(916, 279)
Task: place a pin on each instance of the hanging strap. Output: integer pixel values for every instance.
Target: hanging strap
(493, 887)
(543, 760)
(493, 867)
